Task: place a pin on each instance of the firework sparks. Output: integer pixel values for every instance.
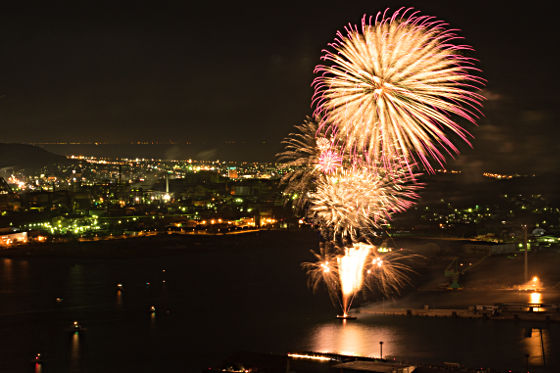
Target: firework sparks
(324, 270)
(388, 272)
(323, 144)
(358, 267)
(329, 161)
(361, 199)
(301, 152)
(393, 87)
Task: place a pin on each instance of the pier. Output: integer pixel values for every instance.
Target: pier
(503, 311)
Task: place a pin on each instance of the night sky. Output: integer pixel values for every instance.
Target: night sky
(213, 73)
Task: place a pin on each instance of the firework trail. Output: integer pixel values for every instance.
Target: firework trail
(351, 273)
(395, 87)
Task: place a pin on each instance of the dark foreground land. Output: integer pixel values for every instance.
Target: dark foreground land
(313, 362)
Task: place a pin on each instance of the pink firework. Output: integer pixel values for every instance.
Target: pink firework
(329, 161)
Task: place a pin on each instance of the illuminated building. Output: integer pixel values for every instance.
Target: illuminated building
(232, 173)
(10, 238)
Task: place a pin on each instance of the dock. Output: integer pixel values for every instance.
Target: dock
(509, 311)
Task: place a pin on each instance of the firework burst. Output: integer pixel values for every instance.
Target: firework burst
(302, 150)
(329, 161)
(394, 87)
(360, 199)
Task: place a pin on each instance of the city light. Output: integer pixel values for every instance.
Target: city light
(310, 357)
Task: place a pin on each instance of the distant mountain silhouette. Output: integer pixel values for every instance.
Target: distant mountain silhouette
(27, 156)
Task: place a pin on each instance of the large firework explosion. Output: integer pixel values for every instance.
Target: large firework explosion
(393, 87)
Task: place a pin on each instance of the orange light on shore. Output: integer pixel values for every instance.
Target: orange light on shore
(535, 298)
(535, 302)
(534, 284)
(310, 357)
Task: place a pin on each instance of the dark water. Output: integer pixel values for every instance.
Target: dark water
(246, 294)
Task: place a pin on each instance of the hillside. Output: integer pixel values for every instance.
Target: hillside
(27, 156)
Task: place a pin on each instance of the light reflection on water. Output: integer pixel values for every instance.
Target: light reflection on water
(119, 300)
(351, 338)
(152, 321)
(428, 340)
(75, 352)
(535, 343)
(7, 275)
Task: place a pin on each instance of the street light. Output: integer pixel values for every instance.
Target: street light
(381, 349)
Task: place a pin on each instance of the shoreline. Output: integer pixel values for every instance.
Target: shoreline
(137, 246)
(467, 313)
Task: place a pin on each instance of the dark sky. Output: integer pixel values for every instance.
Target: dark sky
(213, 73)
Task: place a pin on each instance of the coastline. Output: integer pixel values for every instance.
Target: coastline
(139, 246)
